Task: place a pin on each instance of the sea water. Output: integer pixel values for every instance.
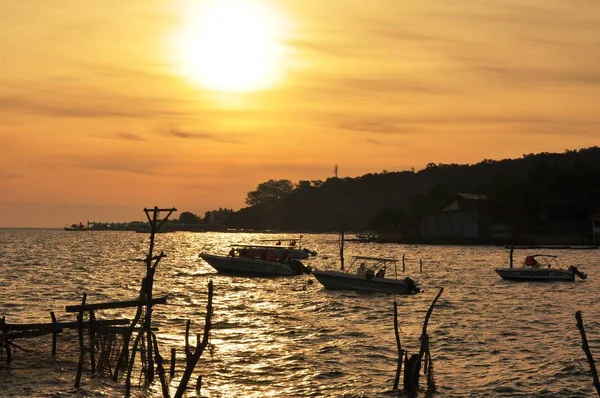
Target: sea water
(288, 337)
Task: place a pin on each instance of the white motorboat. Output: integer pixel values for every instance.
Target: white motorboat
(292, 245)
(540, 267)
(263, 262)
(370, 276)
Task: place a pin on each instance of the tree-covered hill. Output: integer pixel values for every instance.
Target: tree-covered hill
(547, 186)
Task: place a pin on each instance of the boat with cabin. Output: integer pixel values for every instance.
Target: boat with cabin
(540, 268)
(369, 275)
(257, 260)
(77, 227)
(292, 245)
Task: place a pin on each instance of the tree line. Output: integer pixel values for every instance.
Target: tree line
(537, 192)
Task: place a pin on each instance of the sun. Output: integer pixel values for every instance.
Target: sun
(230, 45)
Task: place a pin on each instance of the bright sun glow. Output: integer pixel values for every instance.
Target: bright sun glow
(230, 45)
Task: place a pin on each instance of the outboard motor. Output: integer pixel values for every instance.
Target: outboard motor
(580, 274)
(298, 267)
(310, 252)
(412, 286)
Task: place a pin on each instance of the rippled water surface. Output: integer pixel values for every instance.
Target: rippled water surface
(288, 337)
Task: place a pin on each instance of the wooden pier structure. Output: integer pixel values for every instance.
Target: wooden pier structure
(112, 345)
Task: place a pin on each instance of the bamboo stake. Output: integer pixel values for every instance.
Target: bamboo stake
(4, 328)
(54, 334)
(399, 346)
(588, 353)
(160, 368)
(130, 365)
(81, 347)
(172, 367)
(92, 333)
(192, 358)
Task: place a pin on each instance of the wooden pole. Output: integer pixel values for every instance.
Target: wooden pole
(54, 334)
(588, 353)
(172, 367)
(130, 364)
(92, 334)
(149, 283)
(81, 346)
(512, 249)
(403, 262)
(342, 247)
(421, 265)
(160, 368)
(399, 346)
(192, 358)
(6, 342)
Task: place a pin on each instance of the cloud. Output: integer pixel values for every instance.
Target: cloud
(129, 136)
(4, 175)
(177, 132)
(373, 125)
(86, 108)
(145, 165)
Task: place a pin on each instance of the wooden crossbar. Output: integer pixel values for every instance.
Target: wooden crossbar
(114, 304)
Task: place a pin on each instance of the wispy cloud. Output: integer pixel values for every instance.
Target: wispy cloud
(112, 162)
(128, 136)
(178, 132)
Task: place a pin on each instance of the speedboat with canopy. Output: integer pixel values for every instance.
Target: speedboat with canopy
(292, 245)
(540, 267)
(256, 260)
(366, 274)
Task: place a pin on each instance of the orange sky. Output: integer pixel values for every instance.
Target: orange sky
(110, 106)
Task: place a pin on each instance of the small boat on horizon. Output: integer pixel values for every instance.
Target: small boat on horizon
(256, 260)
(77, 227)
(540, 268)
(367, 236)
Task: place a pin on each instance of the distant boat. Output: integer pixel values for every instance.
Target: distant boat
(255, 261)
(76, 227)
(370, 276)
(367, 236)
(543, 270)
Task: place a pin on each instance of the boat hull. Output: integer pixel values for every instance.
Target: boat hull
(248, 266)
(536, 274)
(335, 280)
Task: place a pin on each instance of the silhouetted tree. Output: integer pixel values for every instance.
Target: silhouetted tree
(187, 217)
(270, 191)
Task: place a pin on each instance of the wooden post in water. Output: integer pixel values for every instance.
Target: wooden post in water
(150, 271)
(54, 334)
(160, 368)
(512, 249)
(421, 265)
(172, 368)
(399, 346)
(342, 247)
(412, 367)
(6, 342)
(192, 358)
(81, 346)
(403, 262)
(588, 353)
